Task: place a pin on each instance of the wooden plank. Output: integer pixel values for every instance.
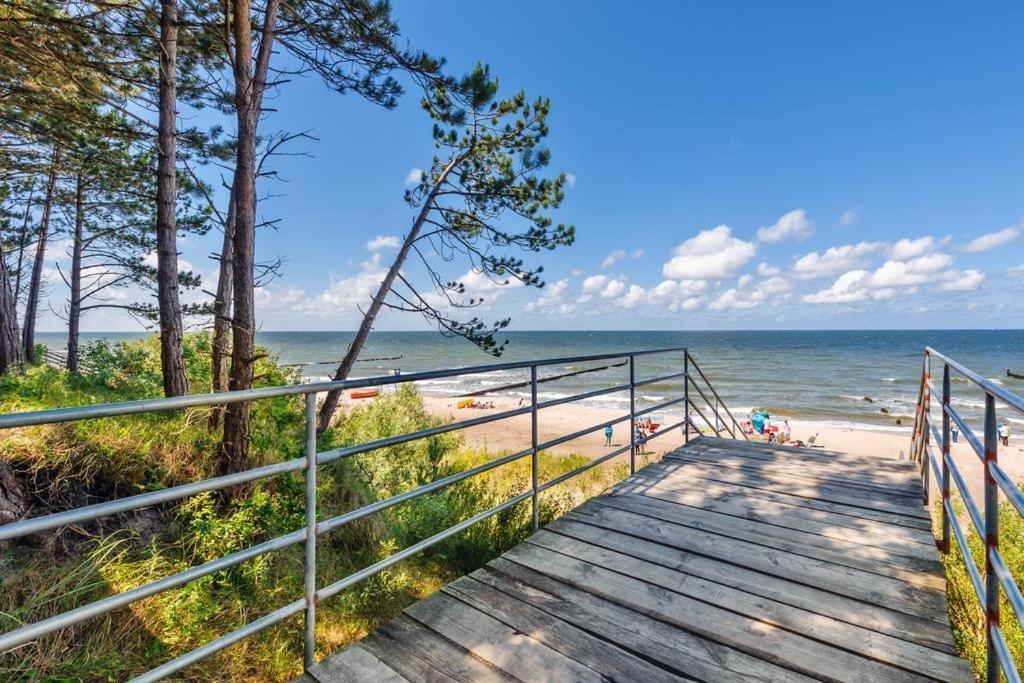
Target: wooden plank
(811, 456)
(598, 654)
(679, 474)
(739, 496)
(813, 598)
(816, 490)
(761, 639)
(354, 665)
(904, 487)
(786, 516)
(671, 647)
(920, 569)
(494, 642)
(865, 642)
(854, 583)
(422, 656)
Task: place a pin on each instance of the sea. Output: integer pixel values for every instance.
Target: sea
(858, 379)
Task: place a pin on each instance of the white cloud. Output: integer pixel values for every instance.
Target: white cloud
(613, 258)
(594, 283)
(833, 261)
(576, 272)
(744, 280)
(570, 179)
(907, 248)
(634, 297)
(967, 281)
(767, 270)
(848, 217)
(732, 298)
(639, 253)
(774, 286)
(550, 295)
(1016, 270)
(278, 299)
(613, 289)
(794, 225)
(846, 289)
(343, 295)
(993, 239)
(414, 177)
(710, 255)
(383, 242)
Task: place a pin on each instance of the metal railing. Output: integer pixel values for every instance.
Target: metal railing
(997, 578)
(313, 527)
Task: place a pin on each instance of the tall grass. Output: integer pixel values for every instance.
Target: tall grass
(966, 612)
(102, 459)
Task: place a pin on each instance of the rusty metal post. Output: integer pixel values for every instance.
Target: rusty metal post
(991, 538)
(686, 396)
(926, 430)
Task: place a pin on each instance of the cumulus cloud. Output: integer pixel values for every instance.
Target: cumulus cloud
(794, 226)
(846, 289)
(848, 217)
(550, 296)
(833, 261)
(570, 179)
(711, 255)
(744, 280)
(383, 242)
(732, 298)
(774, 286)
(767, 270)
(967, 281)
(993, 239)
(613, 258)
(594, 283)
(634, 297)
(613, 289)
(907, 248)
(638, 253)
(414, 177)
(344, 294)
(1016, 271)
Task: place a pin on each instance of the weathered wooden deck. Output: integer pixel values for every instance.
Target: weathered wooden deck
(727, 561)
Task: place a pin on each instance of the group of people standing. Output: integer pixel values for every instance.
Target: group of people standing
(641, 428)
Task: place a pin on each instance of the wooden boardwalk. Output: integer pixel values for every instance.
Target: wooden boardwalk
(727, 561)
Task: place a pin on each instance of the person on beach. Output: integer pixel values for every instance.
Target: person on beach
(608, 431)
(786, 433)
(1004, 434)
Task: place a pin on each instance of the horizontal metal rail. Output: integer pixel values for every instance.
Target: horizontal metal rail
(715, 394)
(997, 579)
(308, 464)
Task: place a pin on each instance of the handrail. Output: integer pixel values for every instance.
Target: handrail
(997, 580)
(718, 399)
(309, 462)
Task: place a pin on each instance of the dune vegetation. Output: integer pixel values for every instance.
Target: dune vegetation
(70, 465)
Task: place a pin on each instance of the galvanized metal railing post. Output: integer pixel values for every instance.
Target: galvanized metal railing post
(717, 425)
(925, 465)
(991, 538)
(533, 449)
(632, 414)
(686, 396)
(946, 447)
(310, 560)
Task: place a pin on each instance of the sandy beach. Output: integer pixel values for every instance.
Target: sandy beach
(512, 434)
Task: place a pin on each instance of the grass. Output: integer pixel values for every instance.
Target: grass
(965, 610)
(72, 465)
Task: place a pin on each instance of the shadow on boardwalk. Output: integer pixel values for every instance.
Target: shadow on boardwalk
(726, 561)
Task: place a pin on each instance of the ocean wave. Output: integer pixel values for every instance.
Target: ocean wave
(890, 380)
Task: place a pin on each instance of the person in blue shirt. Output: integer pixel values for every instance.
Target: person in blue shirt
(608, 431)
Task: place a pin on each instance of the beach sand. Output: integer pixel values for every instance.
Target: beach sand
(513, 434)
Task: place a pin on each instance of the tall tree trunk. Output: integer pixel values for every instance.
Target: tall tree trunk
(10, 339)
(75, 303)
(221, 349)
(330, 404)
(23, 244)
(250, 83)
(35, 284)
(172, 360)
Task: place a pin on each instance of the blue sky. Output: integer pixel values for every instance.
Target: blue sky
(737, 165)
